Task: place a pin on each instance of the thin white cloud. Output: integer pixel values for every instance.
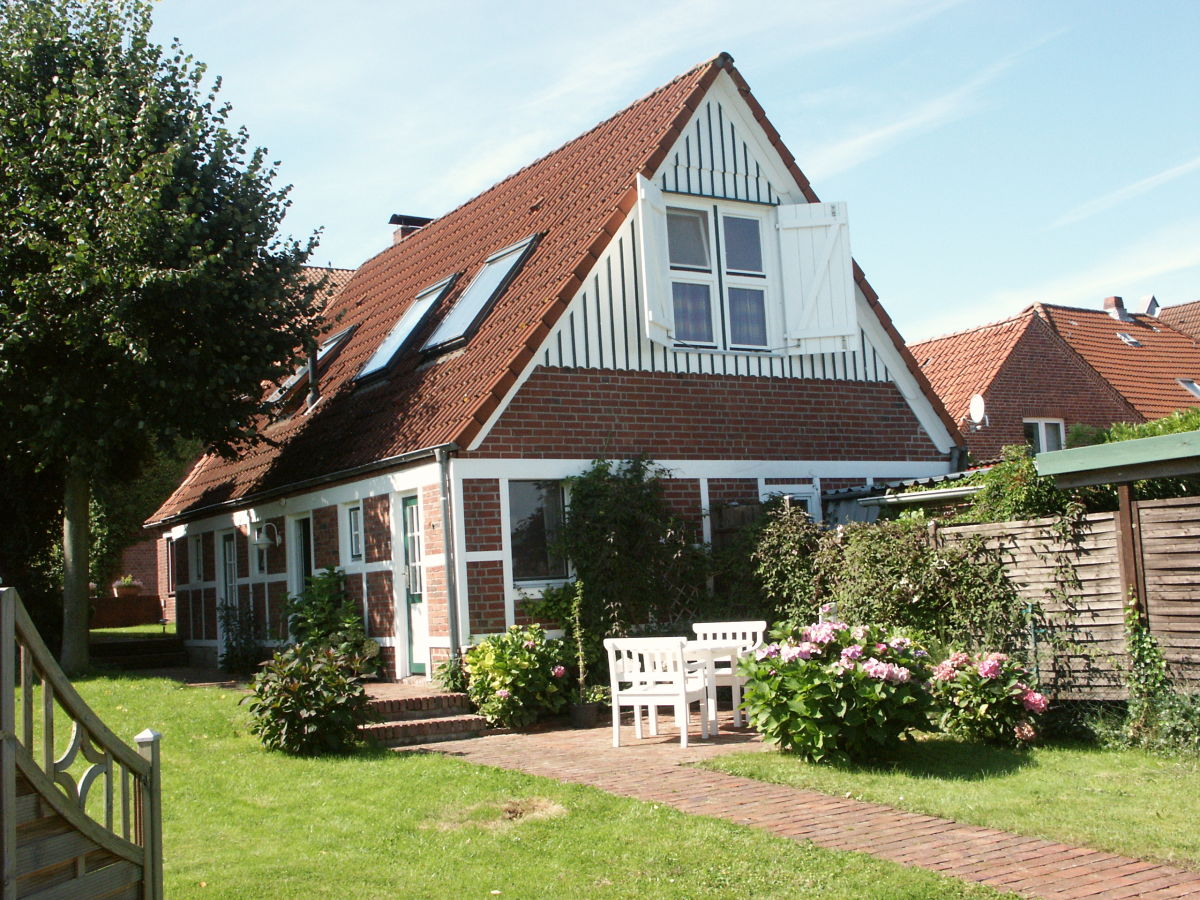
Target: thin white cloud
(1130, 272)
(1107, 201)
(844, 155)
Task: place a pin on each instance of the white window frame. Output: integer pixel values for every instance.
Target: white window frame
(352, 533)
(719, 278)
(532, 583)
(196, 559)
(1041, 424)
(258, 547)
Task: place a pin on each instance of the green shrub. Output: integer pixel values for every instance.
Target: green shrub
(517, 677)
(1160, 717)
(890, 572)
(836, 693)
(308, 700)
(324, 615)
(641, 564)
(986, 698)
(242, 649)
(451, 676)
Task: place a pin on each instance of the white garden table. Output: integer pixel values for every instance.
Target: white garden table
(710, 653)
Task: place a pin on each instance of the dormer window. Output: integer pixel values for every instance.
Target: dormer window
(402, 332)
(485, 289)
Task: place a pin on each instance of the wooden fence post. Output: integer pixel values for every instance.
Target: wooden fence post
(152, 873)
(8, 728)
(1129, 547)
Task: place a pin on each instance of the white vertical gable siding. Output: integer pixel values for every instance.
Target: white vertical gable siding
(603, 328)
(719, 155)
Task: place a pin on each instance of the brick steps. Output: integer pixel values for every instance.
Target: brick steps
(421, 719)
(140, 653)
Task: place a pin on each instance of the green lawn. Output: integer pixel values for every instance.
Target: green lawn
(241, 822)
(1125, 802)
(133, 631)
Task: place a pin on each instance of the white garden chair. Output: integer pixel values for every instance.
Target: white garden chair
(653, 672)
(747, 637)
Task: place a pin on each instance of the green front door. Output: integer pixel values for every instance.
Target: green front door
(414, 587)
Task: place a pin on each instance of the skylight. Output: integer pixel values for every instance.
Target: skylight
(1190, 386)
(328, 346)
(498, 270)
(1129, 339)
(403, 330)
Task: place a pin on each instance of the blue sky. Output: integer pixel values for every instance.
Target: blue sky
(992, 154)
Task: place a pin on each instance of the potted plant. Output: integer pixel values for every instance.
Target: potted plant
(126, 586)
(585, 708)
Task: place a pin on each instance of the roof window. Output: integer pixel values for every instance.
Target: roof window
(485, 288)
(404, 329)
(325, 351)
(1129, 339)
(1190, 386)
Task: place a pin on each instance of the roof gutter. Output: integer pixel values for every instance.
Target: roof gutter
(951, 493)
(390, 462)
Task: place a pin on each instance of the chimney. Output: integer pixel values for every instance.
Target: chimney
(1115, 307)
(406, 225)
(1149, 305)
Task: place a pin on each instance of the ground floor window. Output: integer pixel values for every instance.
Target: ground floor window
(535, 510)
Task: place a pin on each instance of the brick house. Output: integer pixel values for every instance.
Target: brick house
(1050, 367)
(666, 284)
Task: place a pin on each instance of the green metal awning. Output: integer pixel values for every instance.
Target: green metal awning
(1124, 461)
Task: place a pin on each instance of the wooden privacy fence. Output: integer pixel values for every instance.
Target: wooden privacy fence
(80, 816)
(1083, 578)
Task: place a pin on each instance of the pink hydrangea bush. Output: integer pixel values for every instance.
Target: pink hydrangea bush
(986, 697)
(832, 692)
(517, 677)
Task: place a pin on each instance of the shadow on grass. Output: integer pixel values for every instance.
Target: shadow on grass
(948, 759)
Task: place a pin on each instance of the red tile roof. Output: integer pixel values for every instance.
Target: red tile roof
(1183, 317)
(962, 364)
(333, 280)
(577, 197)
(959, 365)
(1144, 375)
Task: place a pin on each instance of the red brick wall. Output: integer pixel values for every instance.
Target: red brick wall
(1042, 379)
(579, 413)
(481, 514)
(326, 552)
(683, 499)
(381, 616)
(485, 597)
(377, 529)
(141, 561)
(276, 556)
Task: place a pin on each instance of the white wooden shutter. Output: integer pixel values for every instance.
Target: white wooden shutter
(657, 305)
(818, 278)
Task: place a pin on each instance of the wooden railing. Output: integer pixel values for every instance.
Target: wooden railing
(80, 821)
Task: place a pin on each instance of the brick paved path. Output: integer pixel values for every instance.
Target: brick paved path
(651, 770)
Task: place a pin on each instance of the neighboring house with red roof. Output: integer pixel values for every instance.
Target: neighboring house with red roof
(667, 284)
(1050, 367)
(1183, 317)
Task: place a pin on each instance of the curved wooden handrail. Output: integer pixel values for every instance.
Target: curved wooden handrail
(74, 705)
(78, 819)
(135, 776)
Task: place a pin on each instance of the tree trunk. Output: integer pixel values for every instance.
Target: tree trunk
(76, 540)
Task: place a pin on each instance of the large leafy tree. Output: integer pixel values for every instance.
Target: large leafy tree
(145, 292)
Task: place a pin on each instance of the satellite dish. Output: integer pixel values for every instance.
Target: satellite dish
(976, 410)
